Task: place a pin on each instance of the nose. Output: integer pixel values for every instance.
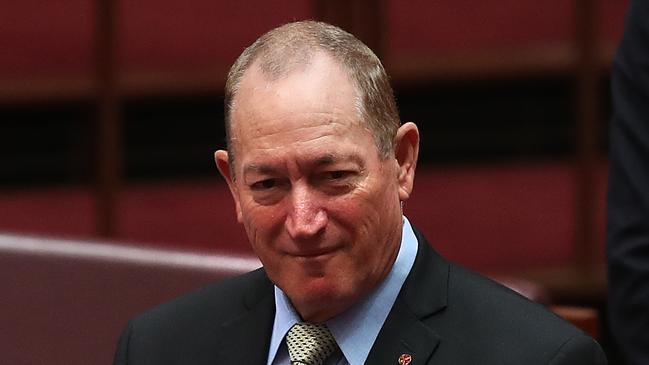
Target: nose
(306, 217)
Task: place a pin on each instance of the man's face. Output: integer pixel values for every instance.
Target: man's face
(320, 207)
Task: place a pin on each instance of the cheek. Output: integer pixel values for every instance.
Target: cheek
(370, 215)
(262, 223)
(373, 201)
(362, 215)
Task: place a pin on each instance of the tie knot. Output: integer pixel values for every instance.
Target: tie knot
(309, 343)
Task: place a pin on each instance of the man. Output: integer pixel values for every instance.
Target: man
(319, 166)
(628, 192)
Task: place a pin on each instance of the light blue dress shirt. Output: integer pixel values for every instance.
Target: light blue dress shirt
(356, 329)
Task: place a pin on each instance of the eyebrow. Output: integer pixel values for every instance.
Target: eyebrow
(260, 169)
(327, 159)
(330, 158)
(324, 160)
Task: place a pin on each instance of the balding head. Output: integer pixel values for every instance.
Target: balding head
(292, 47)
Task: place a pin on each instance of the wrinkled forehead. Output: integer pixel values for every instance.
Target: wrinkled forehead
(315, 65)
(266, 103)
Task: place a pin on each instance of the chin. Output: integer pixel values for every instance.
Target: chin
(321, 299)
(318, 289)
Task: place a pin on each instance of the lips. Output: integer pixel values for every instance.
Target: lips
(310, 254)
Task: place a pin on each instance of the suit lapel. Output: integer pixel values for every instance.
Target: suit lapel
(245, 339)
(403, 333)
(423, 295)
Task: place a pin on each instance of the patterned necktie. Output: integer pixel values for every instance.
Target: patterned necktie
(310, 344)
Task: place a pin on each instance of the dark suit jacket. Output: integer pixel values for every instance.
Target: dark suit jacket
(628, 194)
(443, 315)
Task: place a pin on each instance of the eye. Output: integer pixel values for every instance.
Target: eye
(336, 181)
(264, 184)
(336, 175)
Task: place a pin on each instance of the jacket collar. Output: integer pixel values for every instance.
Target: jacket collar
(423, 294)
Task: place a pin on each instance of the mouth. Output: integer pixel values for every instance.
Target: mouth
(315, 254)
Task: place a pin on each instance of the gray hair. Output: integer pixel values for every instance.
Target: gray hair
(290, 46)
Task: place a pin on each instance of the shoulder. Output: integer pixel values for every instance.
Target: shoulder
(480, 321)
(480, 304)
(495, 319)
(215, 303)
(190, 326)
(477, 295)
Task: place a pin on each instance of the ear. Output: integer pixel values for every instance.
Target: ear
(406, 153)
(223, 164)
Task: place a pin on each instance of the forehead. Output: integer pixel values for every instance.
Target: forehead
(311, 101)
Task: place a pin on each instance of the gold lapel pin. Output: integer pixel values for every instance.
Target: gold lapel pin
(405, 359)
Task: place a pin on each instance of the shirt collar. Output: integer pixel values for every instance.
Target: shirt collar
(356, 329)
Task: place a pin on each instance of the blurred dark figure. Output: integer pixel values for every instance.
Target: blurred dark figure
(628, 194)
